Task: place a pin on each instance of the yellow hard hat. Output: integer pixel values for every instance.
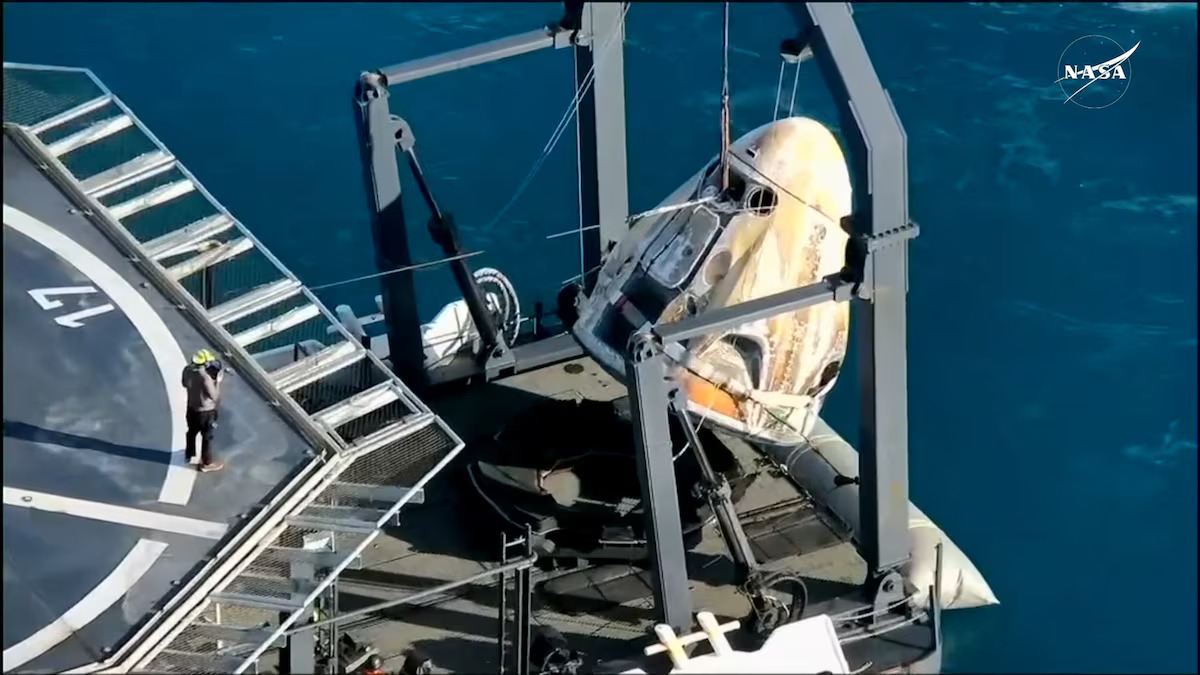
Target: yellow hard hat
(203, 356)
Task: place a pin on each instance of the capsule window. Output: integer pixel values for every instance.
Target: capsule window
(717, 266)
(827, 376)
(831, 371)
(760, 201)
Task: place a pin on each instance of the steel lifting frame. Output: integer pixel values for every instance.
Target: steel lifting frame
(603, 191)
(875, 274)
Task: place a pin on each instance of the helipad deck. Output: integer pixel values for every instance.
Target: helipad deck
(118, 265)
(101, 514)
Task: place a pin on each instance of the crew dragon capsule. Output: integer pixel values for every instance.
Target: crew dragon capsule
(775, 227)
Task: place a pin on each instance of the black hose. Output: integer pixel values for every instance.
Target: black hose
(767, 621)
(799, 595)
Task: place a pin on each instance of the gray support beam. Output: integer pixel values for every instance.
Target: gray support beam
(605, 22)
(301, 648)
(879, 169)
(381, 175)
(512, 565)
(649, 397)
(513, 45)
(600, 126)
(727, 318)
(589, 182)
(379, 132)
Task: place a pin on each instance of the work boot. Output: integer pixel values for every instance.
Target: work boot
(212, 466)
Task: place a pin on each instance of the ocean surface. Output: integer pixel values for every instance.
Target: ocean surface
(1052, 313)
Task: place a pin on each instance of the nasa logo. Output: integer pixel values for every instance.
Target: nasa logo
(1094, 59)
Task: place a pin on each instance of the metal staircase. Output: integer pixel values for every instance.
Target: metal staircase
(376, 444)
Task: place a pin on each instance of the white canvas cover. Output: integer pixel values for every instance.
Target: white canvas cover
(807, 646)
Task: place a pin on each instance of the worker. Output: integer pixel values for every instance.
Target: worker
(373, 665)
(202, 380)
(416, 663)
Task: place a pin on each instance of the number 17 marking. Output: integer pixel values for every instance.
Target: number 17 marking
(73, 320)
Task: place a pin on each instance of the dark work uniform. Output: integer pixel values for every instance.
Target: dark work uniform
(203, 390)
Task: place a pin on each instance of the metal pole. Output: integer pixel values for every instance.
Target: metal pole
(646, 376)
(935, 600)
(612, 183)
(600, 124)
(301, 649)
(445, 234)
(585, 140)
(525, 620)
(519, 564)
(520, 646)
(381, 176)
(503, 602)
(721, 502)
(207, 288)
(335, 635)
(879, 172)
(467, 57)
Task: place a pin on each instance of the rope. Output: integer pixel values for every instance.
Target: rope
(784, 190)
(572, 109)
(670, 207)
(570, 113)
(581, 275)
(406, 268)
(778, 91)
(725, 112)
(638, 216)
(795, 82)
(683, 205)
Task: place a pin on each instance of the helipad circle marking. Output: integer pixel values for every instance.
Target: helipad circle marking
(107, 593)
(177, 485)
(178, 482)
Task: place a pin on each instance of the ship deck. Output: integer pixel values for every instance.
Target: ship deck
(102, 516)
(105, 528)
(436, 543)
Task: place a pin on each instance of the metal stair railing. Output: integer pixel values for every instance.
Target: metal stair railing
(377, 444)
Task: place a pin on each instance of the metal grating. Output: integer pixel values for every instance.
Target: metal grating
(188, 662)
(32, 95)
(87, 135)
(242, 617)
(404, 462)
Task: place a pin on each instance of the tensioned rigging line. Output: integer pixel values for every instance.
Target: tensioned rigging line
(795, 85)
(614, 33)
(725, 162)
(638, 216)
(725, 120)
(724, 155)
(572, 109)
(568, 115)
(406, 268)
(751, 168)
(779, 88)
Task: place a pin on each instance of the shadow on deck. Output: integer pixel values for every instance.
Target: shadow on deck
(452, 536)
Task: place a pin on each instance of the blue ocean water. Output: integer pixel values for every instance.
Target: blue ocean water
(1053, 289)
